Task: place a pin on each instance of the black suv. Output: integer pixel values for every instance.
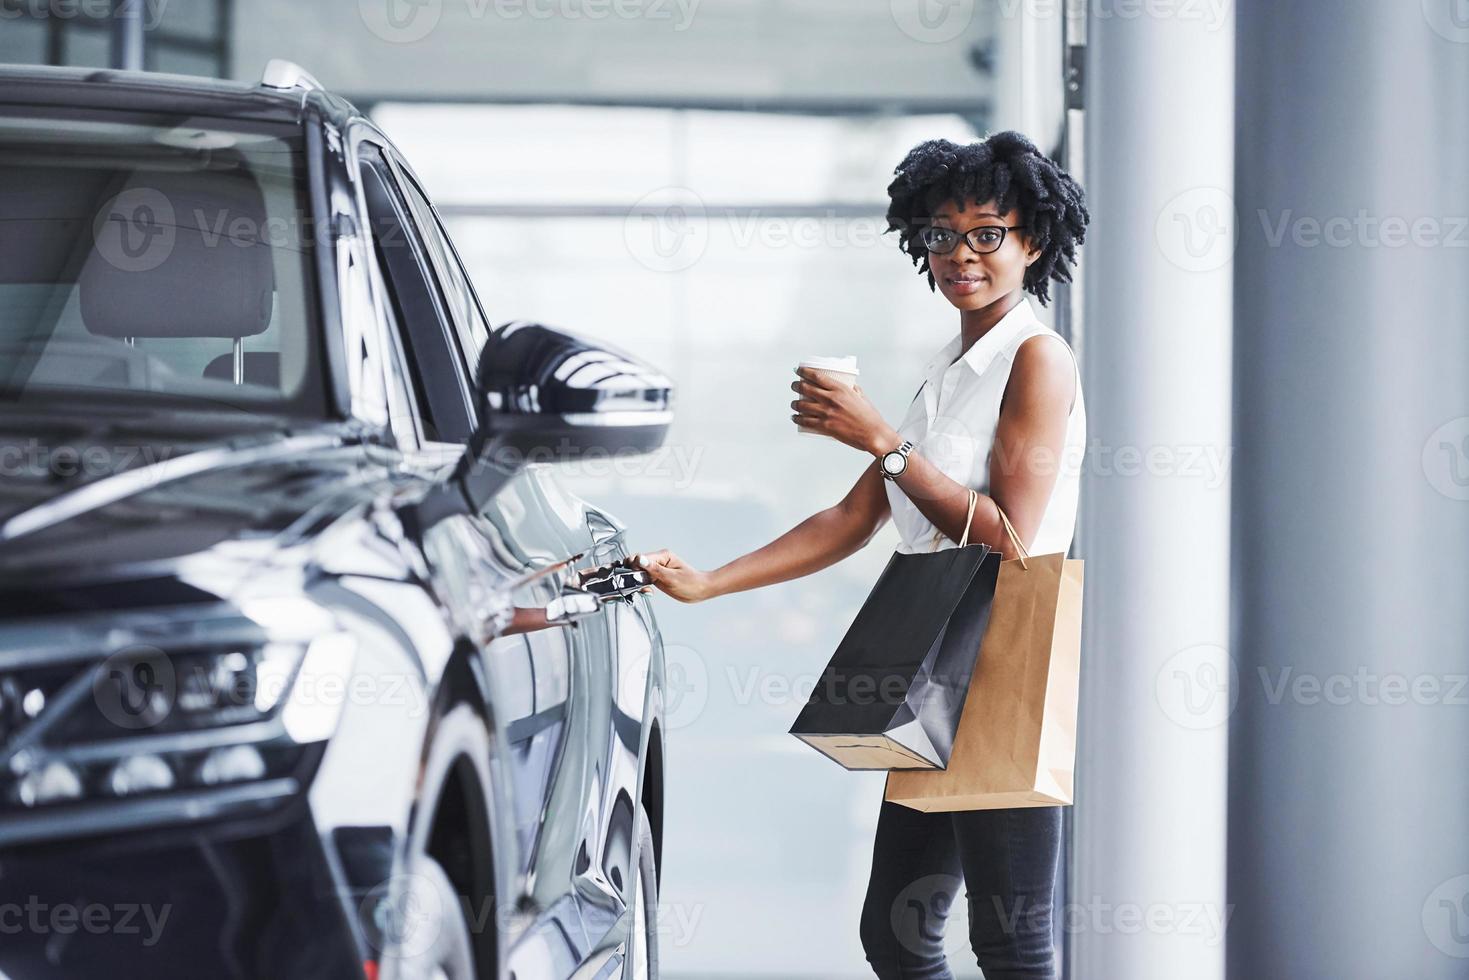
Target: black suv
(309, 666)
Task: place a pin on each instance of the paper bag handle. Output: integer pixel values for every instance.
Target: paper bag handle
(1010, 530)
(938, 535)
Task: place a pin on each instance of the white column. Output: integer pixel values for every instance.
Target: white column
(1029, 51)
(1146, 897)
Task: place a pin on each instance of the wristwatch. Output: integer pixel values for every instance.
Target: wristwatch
(895, 462)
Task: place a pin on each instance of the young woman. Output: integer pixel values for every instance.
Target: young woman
(1000, 411)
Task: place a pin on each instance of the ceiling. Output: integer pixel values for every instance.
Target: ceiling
(818, 55)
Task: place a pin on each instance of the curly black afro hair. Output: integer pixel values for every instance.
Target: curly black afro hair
(1004, 167)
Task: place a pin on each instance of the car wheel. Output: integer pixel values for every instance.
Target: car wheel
(428, 936)
(642, 940)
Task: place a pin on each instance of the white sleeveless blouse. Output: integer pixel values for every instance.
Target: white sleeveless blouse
(952, 423)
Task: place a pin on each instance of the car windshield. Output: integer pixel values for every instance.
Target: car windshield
(156, 263)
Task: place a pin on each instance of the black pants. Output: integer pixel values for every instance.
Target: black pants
(1005, 863)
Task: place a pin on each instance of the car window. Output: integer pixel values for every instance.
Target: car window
(104, 216)
(469, 318)
(437, 373)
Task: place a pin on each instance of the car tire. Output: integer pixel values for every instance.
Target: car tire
(431, 937)
(642, 939)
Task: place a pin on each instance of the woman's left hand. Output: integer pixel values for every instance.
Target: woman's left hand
(843, 413)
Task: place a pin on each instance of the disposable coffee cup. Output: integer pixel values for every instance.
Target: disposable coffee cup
(841, 370)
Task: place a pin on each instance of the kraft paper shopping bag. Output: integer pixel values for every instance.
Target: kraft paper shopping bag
(1016, 741)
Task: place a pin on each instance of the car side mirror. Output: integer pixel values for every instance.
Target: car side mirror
(555, 395)
(546, 395)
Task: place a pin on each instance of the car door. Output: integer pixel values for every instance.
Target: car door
(466, 562)
(522, 528)
(580, 725)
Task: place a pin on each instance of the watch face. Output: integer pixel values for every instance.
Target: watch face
(893, 462)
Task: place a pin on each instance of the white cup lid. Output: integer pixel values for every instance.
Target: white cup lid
(846, 365)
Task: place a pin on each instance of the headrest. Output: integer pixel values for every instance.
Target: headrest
(261, 368)
(179, 254)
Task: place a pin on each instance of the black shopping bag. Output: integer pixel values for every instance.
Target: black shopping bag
(891, 696)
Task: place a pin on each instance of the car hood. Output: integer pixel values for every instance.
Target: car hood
(187, 499)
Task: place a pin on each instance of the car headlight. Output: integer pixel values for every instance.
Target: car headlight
(147, 721)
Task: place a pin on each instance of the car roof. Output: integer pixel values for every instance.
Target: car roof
(36, 85)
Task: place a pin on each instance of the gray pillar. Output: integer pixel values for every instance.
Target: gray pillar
(1349, 788)
(127, 34)
(1146, 898)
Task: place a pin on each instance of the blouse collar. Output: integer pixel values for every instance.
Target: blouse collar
(983, 350)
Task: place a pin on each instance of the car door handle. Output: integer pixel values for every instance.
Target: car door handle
(580, 596)
(592, 587)
(616, 580)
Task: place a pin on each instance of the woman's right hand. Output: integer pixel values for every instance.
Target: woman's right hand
(672, 576)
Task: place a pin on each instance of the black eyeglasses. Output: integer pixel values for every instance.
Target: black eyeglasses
(984, 239)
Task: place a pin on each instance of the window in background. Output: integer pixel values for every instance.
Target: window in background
(23, 42)
(185, 37)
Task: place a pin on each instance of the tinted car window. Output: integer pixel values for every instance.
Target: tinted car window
(469, 320)
(438, 375)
